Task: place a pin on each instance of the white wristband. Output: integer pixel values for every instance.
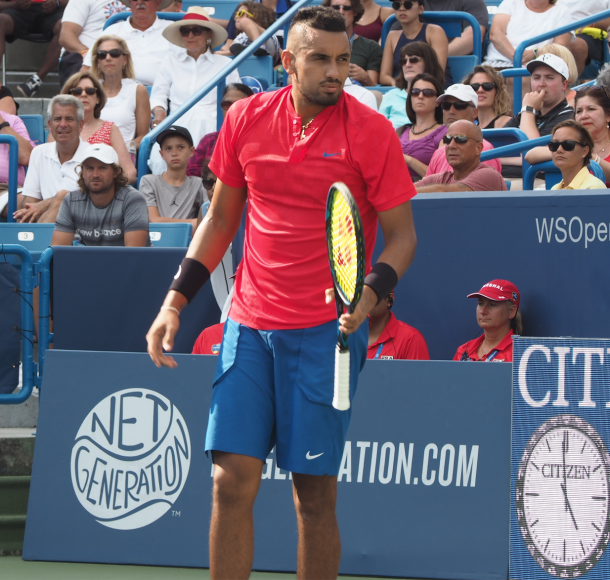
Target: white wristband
(171, 308)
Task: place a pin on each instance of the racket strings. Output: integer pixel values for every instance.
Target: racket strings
(344, 247)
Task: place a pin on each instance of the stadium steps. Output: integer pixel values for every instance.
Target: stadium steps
(16, 456)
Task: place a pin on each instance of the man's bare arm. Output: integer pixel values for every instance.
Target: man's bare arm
(400, 243)
(442, 188)
(209, 245)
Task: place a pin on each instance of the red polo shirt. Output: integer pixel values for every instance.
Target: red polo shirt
(281, 280)
(399, 341)
(504, 354)
(208, 342)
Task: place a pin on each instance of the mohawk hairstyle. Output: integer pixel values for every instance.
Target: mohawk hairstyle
(320, 18)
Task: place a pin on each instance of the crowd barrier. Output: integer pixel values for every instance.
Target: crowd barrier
(120, 475)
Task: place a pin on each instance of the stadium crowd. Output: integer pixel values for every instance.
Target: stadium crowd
(80, 178)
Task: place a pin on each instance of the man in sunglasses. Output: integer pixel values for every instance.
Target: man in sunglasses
(459, 102)
(463, 146)
(143, 33)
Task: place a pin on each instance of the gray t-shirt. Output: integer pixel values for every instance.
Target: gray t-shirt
(103, 226)
(180, 203)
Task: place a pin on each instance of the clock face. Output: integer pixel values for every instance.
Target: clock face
(563, 495)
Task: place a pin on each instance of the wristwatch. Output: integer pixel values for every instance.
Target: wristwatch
(4, 125)
(528, 109)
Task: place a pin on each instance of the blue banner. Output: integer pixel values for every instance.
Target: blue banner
(560, 476)
(120, 475)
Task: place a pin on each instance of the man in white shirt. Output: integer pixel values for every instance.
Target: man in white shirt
(52, 169)
(587, 47)
(143, 33)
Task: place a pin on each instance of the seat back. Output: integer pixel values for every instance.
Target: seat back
(260, 67)
(507, 136)
(35, 126)
(170, 235)
(35, 238)
(462, 66)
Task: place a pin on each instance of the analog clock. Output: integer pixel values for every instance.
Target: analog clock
(562, 496)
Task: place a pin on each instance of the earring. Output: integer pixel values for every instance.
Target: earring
(209, 41)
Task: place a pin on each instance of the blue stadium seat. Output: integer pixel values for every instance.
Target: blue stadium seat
(260, 67)
(507, 136)
(170, 235)
(258, 85)
(35, 126)
(462, 66)
(35, 238)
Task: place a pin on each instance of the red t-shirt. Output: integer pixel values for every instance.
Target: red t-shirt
(281, 280)
(504, 350)
(399, 341)
(208, 342)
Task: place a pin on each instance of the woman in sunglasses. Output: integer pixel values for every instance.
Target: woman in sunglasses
(494, 100)
(234, 92)
(88, 90)
(408, 14)
(571, 148)
(181, 76)
(416, 58)
(421, 140)
(127, 104)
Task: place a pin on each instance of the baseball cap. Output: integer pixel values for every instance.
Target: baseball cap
(101, 152)
(499, 291)
(557, 64)
(461, 92)
(175, 131)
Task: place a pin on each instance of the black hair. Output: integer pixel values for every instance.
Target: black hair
(320, 18)
(438, 87)
(425, 52)
(245, 89)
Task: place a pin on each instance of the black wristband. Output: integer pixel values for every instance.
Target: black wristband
(382, 279)
(191, 276)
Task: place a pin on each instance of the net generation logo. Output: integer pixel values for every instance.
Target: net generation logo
(130, 459)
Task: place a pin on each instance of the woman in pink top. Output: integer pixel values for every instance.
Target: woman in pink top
(85, 87)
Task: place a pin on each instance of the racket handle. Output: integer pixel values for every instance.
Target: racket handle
(341, 395)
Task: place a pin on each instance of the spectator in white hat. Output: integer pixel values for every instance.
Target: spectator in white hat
(459, 103)
(143, 33)
(104, 210)
(546, 105)
(181, 76)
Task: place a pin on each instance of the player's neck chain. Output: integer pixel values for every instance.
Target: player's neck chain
(304, 127)
(414, 132)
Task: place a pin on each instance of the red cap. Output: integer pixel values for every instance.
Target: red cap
(499, 291)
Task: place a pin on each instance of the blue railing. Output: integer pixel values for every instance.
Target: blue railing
(509, 150)
(29, 367)
(13, 168)
(45, 337)
(446, 18)
(218, 81)
(518, 58)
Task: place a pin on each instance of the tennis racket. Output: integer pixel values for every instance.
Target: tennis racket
(347, 263)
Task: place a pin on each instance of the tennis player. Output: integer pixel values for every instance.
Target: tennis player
(282, 151)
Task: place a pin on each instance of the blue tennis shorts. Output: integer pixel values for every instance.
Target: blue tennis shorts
(275, 388)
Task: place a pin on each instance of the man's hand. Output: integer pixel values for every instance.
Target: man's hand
(534, 99)
(30, 213)
(49, 6)
(159, 115)
(357, 73)
(350, 323)
(161, 336)
(23, 5)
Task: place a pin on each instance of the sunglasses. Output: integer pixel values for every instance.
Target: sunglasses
(114, 53)
(410, 60)
(225, 105)
(459, 139)
(486, 86)
(568, 145)
(594, 88)
(209, 183)
(241, 12)
(341, 7)
(186, 30)
(425, 92)
(407, 4)
(77, 91)
(446, 106)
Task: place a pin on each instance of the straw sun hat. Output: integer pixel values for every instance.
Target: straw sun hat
(164, 3)
(195, 16)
